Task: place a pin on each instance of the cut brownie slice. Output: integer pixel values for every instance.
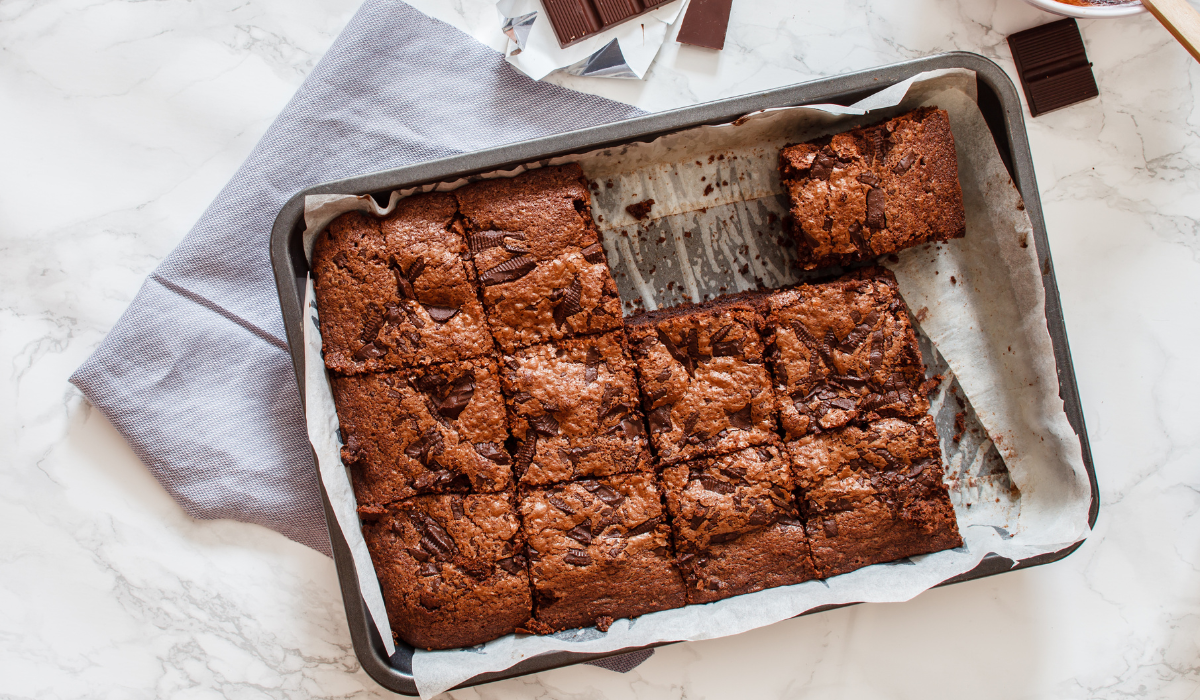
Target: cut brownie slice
(735, 523)
(573, 407)
(873, 494)
(451, 567)
(397, 292)
(843, 351)
(433, 430)
(705, 389)
(599, 549)
(540, 214)
(531, 301)
(874, 190)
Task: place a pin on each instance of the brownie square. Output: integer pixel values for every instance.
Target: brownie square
(874, 190)
(540, 213)
(573, 409)
(843, 352)
(873, 494)
(397, 292)
(433, 430)
(532, 301)
(735, 522)
(599, 550)
(705, 390)
(451, 568)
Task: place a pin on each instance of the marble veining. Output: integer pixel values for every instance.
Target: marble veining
(121, 120)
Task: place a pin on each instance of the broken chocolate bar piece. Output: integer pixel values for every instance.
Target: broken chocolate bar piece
(705, 24)
(576, 20)
(1053, 66)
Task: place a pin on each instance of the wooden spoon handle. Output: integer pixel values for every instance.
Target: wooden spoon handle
(1181, 19)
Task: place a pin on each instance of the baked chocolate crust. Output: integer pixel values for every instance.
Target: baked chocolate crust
(434, 430)
(843, 352)
(397, 292)
(705, 389)
(874, 190)
(735, 522)
(873, 494)
(573, 407)
(599, 550)
(452, 568)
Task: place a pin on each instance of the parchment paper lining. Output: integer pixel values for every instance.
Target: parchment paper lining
(1016, 475)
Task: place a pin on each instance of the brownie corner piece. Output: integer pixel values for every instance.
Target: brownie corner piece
(842, 352)
(451, 567)
(873, 494)
(430, 430)
(397, 292)
(599, 549)
(705, 389)
(736, 525)
(874, 190)
(573, 407)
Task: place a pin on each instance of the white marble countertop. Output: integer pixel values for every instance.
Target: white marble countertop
(121, 120)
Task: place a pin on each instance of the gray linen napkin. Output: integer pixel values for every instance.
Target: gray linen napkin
(196, 374)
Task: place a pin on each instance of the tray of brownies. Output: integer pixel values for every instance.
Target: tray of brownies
(671, 380)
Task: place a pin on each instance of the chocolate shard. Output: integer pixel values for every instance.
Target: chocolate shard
(513, 565)
(591, 365)
(492, 452)
(458, 396)
(508, 271)
(604, 493)
(568, 305)
(876, 200)
(660, 419)
(441, 314)
(823, 164)
(581, 534)
(577, 557)
(372, 321)
(434, 538)
(526, 451)
(856, 237)
(553, 498)
(482, 240)
(644, 527)
(742, 418)
(905, 163)
(368, 352)
(681, 357)
(544, 424)
(594, 253)
(716, 485)
(869, 179)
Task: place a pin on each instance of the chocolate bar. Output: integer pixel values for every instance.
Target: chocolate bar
(576, 20)
(705, 24)
(1053, 66)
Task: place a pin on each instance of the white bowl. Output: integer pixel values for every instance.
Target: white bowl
(1088, 11)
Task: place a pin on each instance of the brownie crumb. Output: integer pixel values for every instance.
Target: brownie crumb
(603, 623)
(640, 210)
(930, 386)
(960, 425)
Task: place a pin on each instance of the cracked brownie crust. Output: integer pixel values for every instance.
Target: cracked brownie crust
(843, 352)
(397, 292)
(705, 390)
(432, 430)
(599, 550)
(573, 410)
(873, 494)
(735, 523)
(874, 190)
(451, 567)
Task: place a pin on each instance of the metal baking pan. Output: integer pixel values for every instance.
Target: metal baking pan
(1001, 107)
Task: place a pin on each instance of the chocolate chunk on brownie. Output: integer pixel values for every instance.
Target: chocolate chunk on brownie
(540, 214)
(431, 430)
(873, 494)
(452, 568)
(397, 292)
(842, 352)
(573, 407)
(531, 301)
(736, 526)
(705, 390)
(874, 190)
(599, 549)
